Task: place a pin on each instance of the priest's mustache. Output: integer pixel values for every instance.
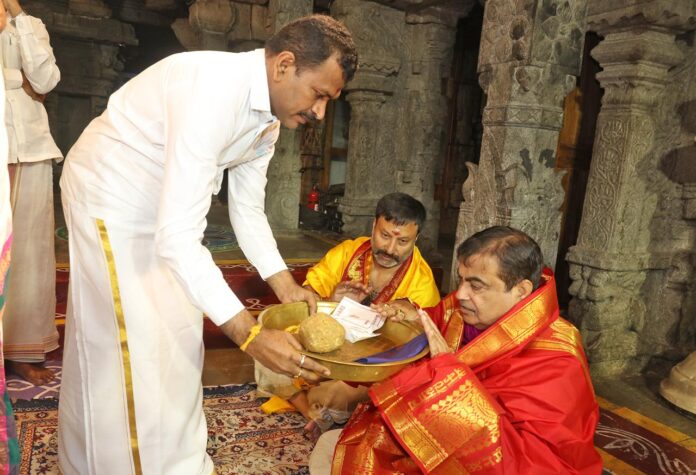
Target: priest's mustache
(386, 254)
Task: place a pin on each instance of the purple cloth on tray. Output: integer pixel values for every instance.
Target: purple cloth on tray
(398, 353)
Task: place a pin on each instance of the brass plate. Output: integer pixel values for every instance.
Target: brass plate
(341, 361)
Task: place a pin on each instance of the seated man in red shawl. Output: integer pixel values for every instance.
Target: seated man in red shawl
(507, 389)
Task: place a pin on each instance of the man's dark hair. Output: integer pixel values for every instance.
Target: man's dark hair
(519, 256)
(401, 209)
(313, 39)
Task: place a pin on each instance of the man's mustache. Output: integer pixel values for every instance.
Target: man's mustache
(310, 117)
(386, 254)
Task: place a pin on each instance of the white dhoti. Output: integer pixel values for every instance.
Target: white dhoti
(322, 455)
(29, 325)
(131, 395)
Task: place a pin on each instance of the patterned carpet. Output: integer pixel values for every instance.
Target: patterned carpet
(242, 440)
(19, 388)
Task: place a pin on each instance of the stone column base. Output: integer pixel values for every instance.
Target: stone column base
(680, 387)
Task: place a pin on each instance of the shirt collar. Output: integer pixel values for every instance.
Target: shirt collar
(259, 98)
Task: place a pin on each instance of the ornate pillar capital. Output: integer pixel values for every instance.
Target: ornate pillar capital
(213, 20)
(635, 65)
(375, 74)
(607, 16)
(378, 34)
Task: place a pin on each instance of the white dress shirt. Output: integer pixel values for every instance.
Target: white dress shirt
(152, 161)
(25, 47)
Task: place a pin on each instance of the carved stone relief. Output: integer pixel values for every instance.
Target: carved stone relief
(634, 251)
(529, 54)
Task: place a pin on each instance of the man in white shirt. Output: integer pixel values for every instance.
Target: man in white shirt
(30, 71)
(8, 463)
(136, 187)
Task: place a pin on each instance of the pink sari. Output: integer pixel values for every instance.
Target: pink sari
(9, 449)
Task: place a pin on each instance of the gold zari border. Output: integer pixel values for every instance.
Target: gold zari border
(123, 341)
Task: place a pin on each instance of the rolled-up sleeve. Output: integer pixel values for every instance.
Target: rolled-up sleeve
(197, 128)
(38, 61)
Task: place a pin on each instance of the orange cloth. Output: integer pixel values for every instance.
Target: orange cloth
(517, 400)
(349, 261)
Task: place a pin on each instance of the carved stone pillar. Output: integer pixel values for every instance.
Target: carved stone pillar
(420, 155)
(370, 173)
(530, 53)
(366, 178)
(612, 258)
(284, 178)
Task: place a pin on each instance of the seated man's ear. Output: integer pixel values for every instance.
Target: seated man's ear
(523, 289)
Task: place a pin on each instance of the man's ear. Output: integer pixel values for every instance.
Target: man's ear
(283, 63)
(523, 289)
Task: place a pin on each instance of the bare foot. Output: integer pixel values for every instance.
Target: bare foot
(299, 400)
(35, 373)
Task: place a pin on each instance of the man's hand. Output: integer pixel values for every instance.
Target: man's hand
(275, 349)
(353, 289)
(279, 351)
(397, 311)
(436, 341)
(26, 85)
(13, 7)
(287, 290)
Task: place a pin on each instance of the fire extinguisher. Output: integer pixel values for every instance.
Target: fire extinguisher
(313, 199)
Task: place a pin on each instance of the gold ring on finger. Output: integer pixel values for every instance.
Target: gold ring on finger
(302, 358)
